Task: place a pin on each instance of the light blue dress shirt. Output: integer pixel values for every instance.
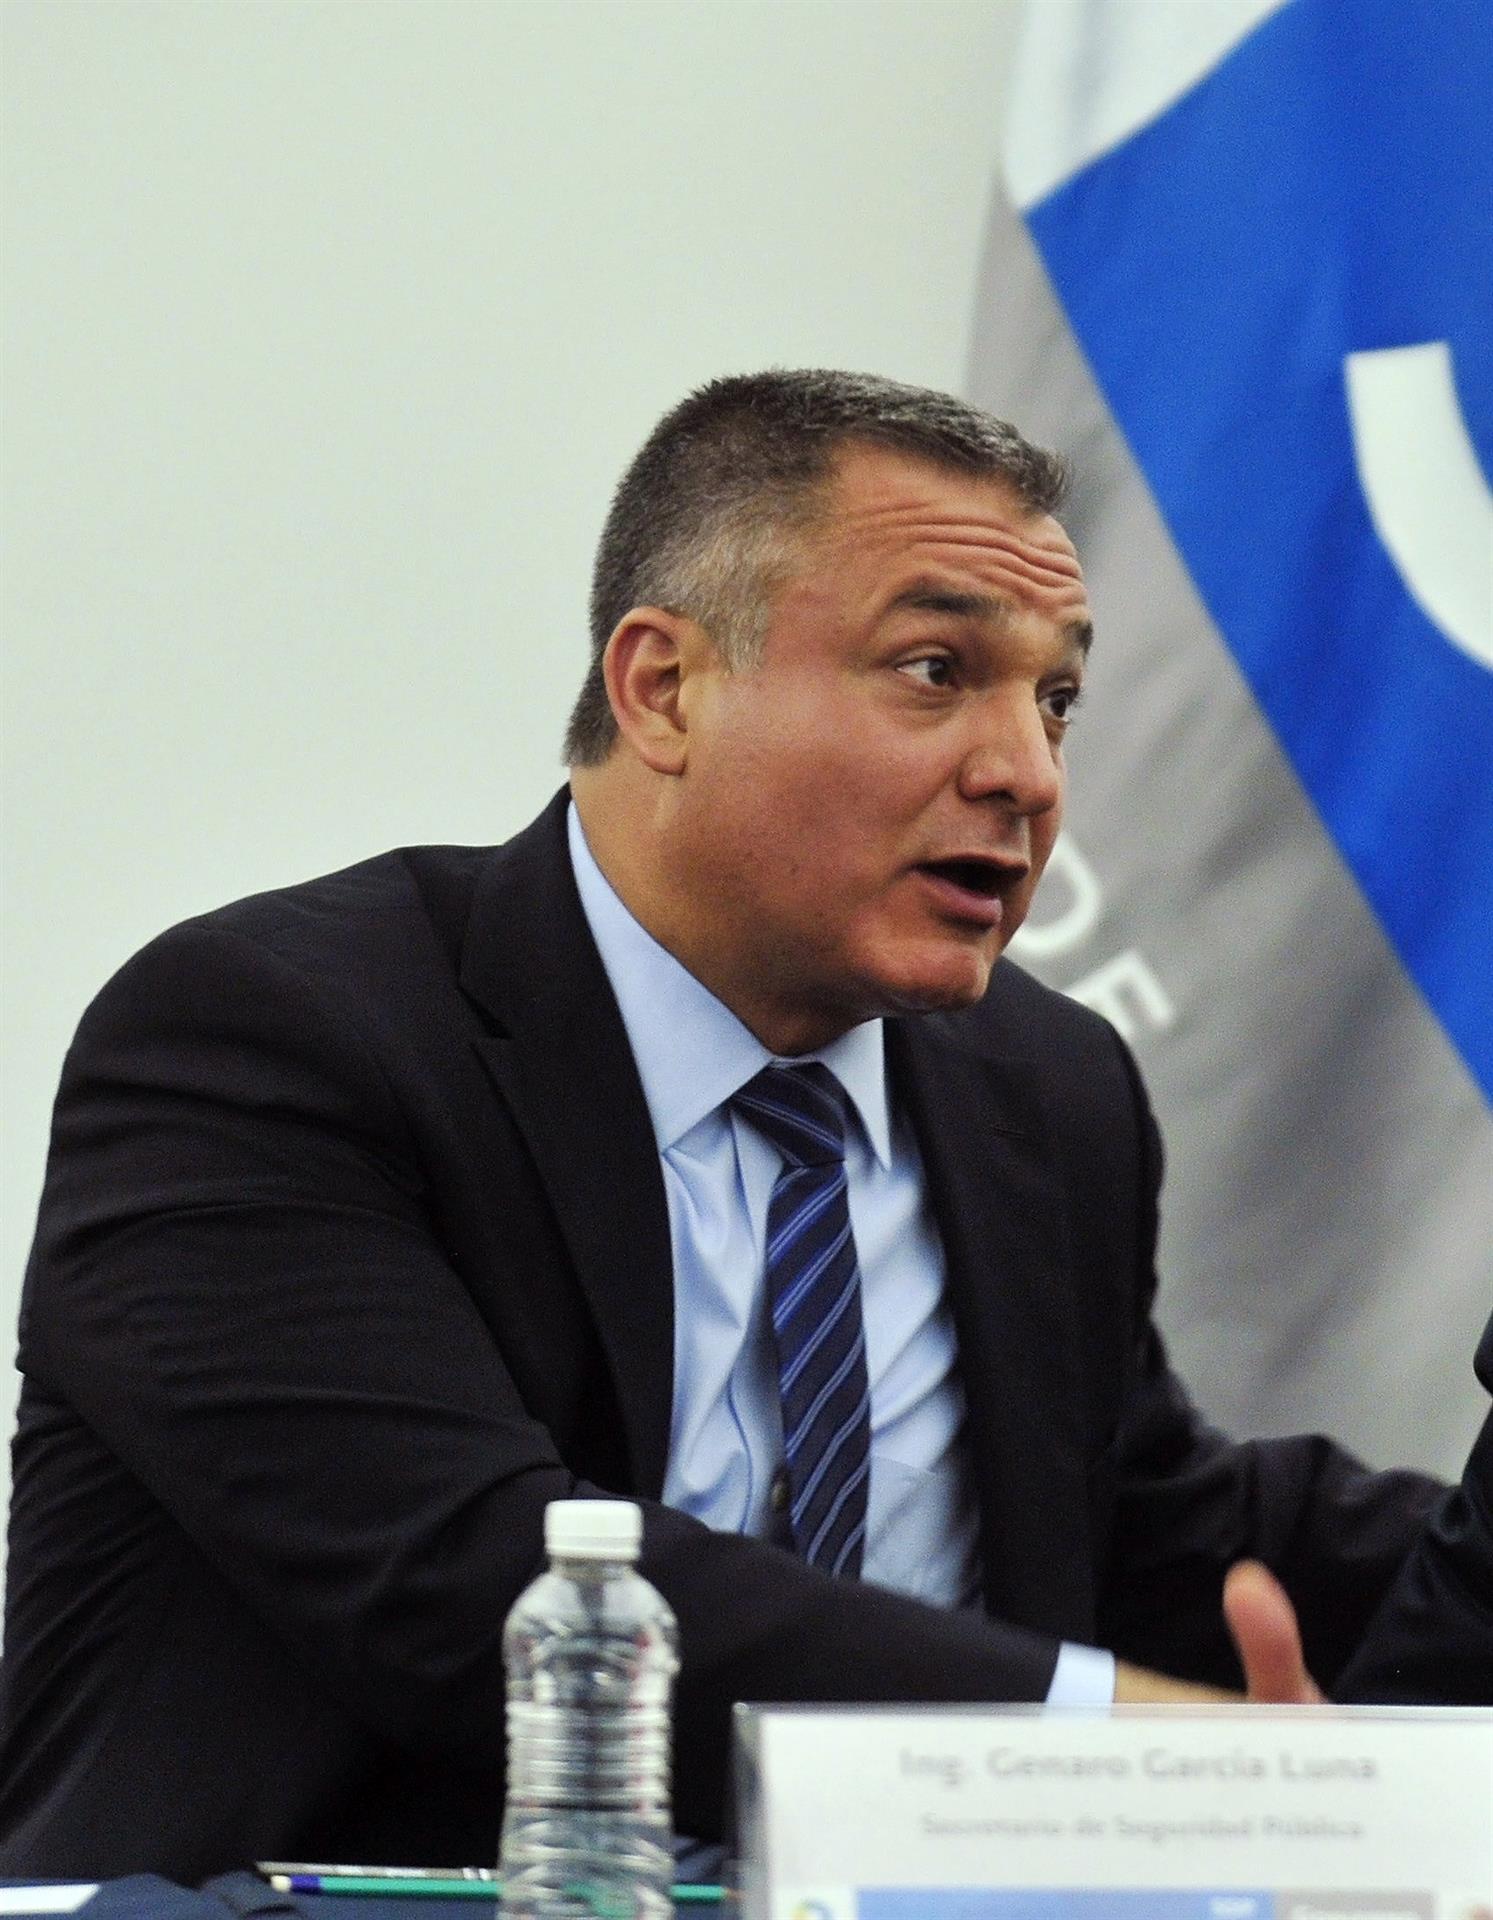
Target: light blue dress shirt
(725, 1439)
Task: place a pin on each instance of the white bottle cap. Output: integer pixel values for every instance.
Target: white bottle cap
(592, 1530)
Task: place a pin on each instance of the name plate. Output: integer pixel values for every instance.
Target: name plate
(1145, 1813)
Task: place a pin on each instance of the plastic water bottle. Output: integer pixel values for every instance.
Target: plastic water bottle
(591, 1651)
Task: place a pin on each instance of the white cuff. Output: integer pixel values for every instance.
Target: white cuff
(1083, 1677)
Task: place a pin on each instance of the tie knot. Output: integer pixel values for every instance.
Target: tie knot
(801, 1110)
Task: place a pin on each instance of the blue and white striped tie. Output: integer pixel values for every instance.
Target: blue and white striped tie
(814, 1286)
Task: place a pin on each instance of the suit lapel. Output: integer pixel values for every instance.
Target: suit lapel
(1001, 1215)
(563, 1066)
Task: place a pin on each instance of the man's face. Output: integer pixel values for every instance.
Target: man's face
(865, 813)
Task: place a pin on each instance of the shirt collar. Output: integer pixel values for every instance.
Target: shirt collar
(691, 1051)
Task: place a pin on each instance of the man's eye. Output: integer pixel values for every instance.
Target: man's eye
(933, 669)
(1060, 702)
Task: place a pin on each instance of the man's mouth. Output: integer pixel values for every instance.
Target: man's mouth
(983, 877)
(971, 887)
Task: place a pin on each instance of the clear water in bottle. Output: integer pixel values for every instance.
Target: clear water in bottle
(591, 1651)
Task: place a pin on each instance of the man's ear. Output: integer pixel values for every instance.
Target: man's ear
(647, 660)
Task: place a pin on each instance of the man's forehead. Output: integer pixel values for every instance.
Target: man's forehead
(892, 507)
(873, 488)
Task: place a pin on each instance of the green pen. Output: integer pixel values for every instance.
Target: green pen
(471, 1884)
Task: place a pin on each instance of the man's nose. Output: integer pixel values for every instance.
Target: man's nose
(1013, 758)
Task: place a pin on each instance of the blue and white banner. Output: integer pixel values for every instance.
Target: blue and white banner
(1243, 274)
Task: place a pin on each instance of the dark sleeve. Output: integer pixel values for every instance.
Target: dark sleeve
(239, 1288)
(1189, 1502)
(1432, 1640)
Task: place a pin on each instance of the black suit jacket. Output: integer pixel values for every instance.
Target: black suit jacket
(354, 1253)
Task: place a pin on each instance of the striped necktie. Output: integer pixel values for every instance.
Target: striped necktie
(814, 1287)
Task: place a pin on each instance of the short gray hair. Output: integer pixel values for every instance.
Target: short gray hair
(710, 516)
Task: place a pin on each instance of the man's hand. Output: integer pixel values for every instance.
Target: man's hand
(1263, 1622)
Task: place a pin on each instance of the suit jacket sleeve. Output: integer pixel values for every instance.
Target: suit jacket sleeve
(1189, 1502)
(1139, 1507)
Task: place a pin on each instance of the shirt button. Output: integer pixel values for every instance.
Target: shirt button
(778, 1493)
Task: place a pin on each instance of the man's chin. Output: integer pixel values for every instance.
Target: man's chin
(946, 989)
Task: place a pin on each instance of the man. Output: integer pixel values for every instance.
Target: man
(386, 1209)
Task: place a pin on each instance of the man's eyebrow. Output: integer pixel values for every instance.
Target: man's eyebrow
(960, 606)
(979, 606)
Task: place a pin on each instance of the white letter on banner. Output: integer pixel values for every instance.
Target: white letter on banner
(1426, 493)
(1127, 993)
(1076, 921)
